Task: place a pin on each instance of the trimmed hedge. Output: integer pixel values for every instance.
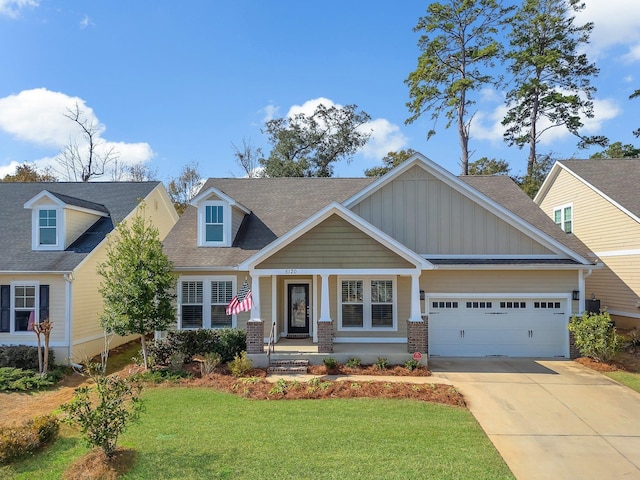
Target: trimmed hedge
(22, 356)
(33, 434)
(227, 343)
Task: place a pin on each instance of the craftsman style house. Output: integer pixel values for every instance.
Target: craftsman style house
(53, 236)
(598, 201)
(447, 266)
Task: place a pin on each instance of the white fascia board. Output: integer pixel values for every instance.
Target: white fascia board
(349, 216)
(59, 203)
(518, 267)
(223, 196)
(475, 195)
(215, 268)
(546, 185)
(601, 193)
(44, 194)
(35, 272)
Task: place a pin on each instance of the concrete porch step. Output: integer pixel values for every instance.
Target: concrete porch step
(285, 367)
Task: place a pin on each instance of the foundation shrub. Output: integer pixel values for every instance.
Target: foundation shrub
(595, 336)
(353, 362)
(227, 343)
(33, 434)
(411, 364)
(18, 380)
(382, 363)
(22, 356)
(330, 363)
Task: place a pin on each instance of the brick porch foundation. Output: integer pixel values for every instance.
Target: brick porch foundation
(325, 337)
(255, 336)
(418, 336)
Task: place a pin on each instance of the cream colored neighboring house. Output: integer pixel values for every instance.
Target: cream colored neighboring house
(53, 236)
(439, 264)
(598, 201)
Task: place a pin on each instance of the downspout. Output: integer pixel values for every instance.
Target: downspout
(69, 278)
(581, 287)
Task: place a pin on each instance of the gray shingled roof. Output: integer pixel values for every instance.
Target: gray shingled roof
(117, 199)
(504, 191)
(277, 205)
(619, 179)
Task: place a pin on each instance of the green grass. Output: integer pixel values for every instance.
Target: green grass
(193, 433)
(631, 380)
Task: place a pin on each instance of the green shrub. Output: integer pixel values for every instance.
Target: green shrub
(595, 335)
(231, 342)
(33, 434)
(330, 362)
(382, 363)
(103, 416)
(227, 343)
(240, 365)
(18, 380)
(160, 376)
(354, 362)
(22, 356)
(411, 364)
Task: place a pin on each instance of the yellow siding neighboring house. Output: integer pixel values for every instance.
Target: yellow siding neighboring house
(612, 233)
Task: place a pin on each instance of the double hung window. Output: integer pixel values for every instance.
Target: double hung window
(203, 303)
(367, 304)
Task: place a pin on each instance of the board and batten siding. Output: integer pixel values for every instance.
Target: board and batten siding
(335, 243)
(607, 231)
(430, 217)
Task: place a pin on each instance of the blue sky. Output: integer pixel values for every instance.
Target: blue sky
(177, 82)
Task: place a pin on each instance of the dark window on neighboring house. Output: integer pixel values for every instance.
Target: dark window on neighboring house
(30, 304)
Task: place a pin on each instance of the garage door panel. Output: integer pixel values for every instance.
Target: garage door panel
(498, 326)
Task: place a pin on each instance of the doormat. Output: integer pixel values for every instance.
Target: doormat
(297, 335)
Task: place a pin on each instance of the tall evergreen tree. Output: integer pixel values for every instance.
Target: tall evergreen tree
(551, 79)
(459, 47)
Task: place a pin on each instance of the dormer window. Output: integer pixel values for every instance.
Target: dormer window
(47, 227)
(214, 218)
(219, 217)
(214, 223)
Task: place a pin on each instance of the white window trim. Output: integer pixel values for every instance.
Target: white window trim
(562, 219)
(35, 228)
(206, 298)
(12, 326)
(366, 304)
(226, 228)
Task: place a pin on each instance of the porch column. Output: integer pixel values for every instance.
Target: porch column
(416, 325)
(325, 324)
(255, 326)
(325, 316)
(415, 315)
(255, 292)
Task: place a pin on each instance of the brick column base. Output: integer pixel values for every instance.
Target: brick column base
(325, 337)
(574, 352)
(255, 336)
(418, 336)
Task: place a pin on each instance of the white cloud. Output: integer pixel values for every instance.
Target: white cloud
(385, 137)
(37, 118)
(269, 112)
(487, 125)
(12, 8)
(633, 55)
(86, 22)
(310, 106)
(616, 23)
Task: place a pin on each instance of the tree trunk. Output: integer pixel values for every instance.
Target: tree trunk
(143, 341)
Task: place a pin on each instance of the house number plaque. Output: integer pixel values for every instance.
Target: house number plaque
(290, 271)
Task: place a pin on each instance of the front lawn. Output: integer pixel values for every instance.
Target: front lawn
(629, 379)
(192, 433)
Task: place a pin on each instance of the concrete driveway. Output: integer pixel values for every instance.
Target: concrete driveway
(551, 418)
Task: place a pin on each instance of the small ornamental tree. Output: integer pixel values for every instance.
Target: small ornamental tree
(137, 282)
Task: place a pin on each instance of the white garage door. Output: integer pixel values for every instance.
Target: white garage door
(514, 327)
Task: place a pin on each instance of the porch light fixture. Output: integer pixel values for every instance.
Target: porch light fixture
(576, 295)
(421, 294)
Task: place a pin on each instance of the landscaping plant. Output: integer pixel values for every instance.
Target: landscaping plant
(104, 411)
(595, 335)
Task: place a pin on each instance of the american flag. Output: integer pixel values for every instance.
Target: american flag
(242, 302)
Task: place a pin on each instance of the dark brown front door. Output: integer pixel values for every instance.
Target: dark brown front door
(298, 308)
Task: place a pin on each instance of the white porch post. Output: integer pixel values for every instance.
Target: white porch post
(255, 292)
(325, 316)
(415, 298)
